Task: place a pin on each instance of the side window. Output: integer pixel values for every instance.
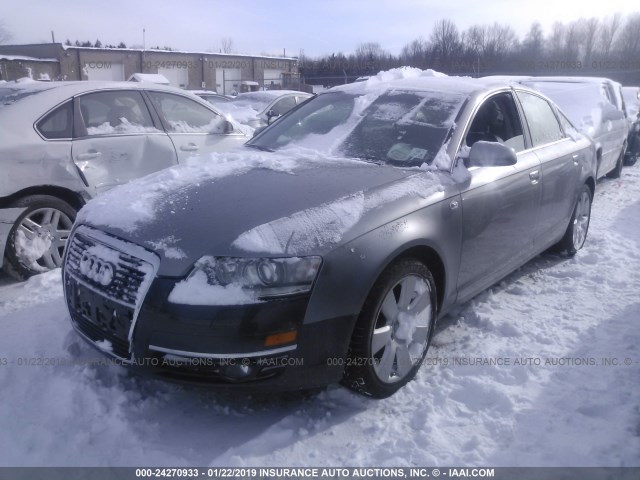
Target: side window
(58, 123)
(115, 112)
(283, 105)
(543, 124)
(183, 115)
(567, 126)
(497, 120)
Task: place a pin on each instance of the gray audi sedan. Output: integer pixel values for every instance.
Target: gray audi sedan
(326, 250)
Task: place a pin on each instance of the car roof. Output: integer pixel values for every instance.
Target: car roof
(420, 82)
(49, 94)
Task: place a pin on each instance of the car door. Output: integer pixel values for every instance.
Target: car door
(194, 128)
(116, 140)
(560, 166)
(613, 126)
(500, 204)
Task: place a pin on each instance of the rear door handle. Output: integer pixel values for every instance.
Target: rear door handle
(90, 155)
(575, 157)
(189, 147)
(534, 177)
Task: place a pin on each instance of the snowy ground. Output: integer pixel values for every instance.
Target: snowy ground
(552, 309)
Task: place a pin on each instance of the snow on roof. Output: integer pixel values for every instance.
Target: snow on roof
(26, 59)
(412, 79)
(150, 78)
(194, 52)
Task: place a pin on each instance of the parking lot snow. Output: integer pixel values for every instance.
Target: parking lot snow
(541, 369)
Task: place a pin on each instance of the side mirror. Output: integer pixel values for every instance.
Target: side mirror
(491, 154)
(271, 114)
(227, 127)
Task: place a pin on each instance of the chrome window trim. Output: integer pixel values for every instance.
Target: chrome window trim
(186, 354)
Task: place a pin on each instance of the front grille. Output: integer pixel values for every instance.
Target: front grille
(105, 310)
(128, 276)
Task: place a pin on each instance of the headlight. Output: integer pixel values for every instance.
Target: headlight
(265, 277)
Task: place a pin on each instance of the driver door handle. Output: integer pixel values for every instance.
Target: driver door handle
(189, 147)
(534, 177)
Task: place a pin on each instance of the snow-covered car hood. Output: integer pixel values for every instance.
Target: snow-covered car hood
(258, 203)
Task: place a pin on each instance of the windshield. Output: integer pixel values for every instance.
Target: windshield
(406, 128)
(257, 100)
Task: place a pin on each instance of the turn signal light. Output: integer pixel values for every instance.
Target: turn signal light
(280, 338)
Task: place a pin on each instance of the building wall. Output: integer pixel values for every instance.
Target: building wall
(77, 63)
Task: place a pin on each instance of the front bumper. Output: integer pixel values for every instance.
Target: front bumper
(214, 346)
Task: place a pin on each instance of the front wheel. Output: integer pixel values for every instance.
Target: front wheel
(576, 233)
(393, 331)
(37, 240)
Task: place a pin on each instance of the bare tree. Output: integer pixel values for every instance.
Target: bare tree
(573, 40)
(5, 34)
(533, 44)
(370, 51)
(226, 45)
(610, 27)
(555, 42)
(445, 40)
(628, 42)
(590, 28)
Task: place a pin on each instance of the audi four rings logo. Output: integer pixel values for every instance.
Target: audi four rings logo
(96, 269)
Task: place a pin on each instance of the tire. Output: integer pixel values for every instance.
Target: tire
(43, 228)
(386, 352)
(617, 171)
(630, 160)
(576, 233)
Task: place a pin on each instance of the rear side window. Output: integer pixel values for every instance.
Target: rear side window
(183, 115)
(57, 123)
(283, 105)
(115, 112)
(543, 124)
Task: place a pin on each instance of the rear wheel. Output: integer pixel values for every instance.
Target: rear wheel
(393, 331)
(37, 240)
(576, 233)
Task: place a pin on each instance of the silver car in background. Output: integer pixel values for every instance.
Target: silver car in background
(596, 107)
(66, 142)
(631, 97)
(259, 109)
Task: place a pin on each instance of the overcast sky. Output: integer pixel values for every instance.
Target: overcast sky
(258, 26)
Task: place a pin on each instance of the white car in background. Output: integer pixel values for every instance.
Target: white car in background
(259, 109)
(595, 106)
(63, 143)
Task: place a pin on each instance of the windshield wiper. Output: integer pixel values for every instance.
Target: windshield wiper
(259, 147)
